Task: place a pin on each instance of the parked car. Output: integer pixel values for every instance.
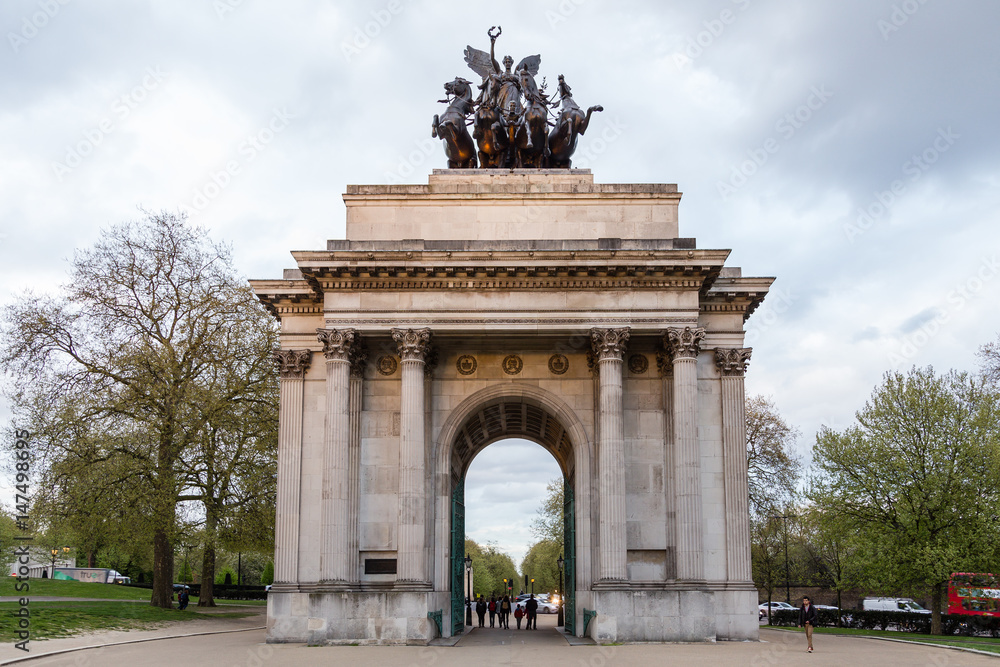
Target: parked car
(545, 607)
(775, 606)
(893, 604)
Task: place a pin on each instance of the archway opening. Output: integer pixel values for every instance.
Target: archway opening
(505, 487)
(505, 418)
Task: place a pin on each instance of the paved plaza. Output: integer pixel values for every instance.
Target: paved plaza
(493, 647)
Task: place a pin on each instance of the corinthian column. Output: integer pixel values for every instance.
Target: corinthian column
(609, 348)
(732, 364)
(339, 347)
(412, 345)
(684, 345)
(292, 365)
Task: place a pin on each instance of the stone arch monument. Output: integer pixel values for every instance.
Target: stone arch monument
(496, 303)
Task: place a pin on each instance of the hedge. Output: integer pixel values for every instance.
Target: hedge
(951, 624)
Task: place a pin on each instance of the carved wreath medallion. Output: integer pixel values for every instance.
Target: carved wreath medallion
(558, 364)
(386, 364)
(466, 364)
(638, 364)
(512, 364)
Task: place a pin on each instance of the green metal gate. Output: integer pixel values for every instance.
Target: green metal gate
(457, 558)
(569, 555)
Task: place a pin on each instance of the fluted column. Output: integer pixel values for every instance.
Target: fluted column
(292, 365)
(354, 463)
(339, 346)
(732, 365)
(666, 367)
(412, 345)
(609, 349)
(683, 346)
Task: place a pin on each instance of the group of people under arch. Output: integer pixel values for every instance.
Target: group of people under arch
(502, 608)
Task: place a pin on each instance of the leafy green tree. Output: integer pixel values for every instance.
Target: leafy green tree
(143, 331)
(767, 554)
(268, 576)
(773, 467)
(490, 567)
(540, 564)
(919, 473)
(835, 551)
(549, 524)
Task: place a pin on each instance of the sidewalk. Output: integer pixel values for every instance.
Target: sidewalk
(496, 647)
(257, 620)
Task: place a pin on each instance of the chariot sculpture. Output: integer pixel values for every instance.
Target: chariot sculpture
(511, 117)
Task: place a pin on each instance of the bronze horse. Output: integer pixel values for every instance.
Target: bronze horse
(532, 139)
(571, 124)
(450, 127)
(491, 138)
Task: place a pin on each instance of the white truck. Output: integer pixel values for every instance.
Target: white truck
(98, 575)
(893, 604)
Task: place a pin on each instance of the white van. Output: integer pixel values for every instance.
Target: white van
(893, 604)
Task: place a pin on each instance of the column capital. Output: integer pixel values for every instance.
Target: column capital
(292, 364)
(732, 362)
(412, 344)
(339, 344)
(609, 343)
(683, 343)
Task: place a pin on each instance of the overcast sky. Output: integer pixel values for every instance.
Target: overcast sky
(847, 147)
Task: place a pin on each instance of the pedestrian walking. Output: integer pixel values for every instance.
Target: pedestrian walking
(531, 607)
(481, 609)
(505, 612)
(183, 598)
(518, 615)
(493, 609)
(807, 619)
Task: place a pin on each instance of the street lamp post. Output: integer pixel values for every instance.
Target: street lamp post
(55, 552)
(561, 621)
(532, 586)
(468, 596)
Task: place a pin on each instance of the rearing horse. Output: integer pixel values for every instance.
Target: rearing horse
(572, 123)
(450, 127)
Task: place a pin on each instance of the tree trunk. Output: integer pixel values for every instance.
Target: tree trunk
(840, 608)
(163, 570)
(936, 609)
(206, 596)
(91, 558)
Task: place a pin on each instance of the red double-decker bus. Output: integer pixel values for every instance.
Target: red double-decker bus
(974, 594)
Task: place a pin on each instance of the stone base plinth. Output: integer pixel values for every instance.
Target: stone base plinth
(367, 618)
(632, 616)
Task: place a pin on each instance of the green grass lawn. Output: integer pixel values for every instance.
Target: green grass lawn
(64, 619)
(978, 643)
(79, 589)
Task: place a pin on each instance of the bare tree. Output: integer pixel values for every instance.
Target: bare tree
(151, 316)
(772, 465)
